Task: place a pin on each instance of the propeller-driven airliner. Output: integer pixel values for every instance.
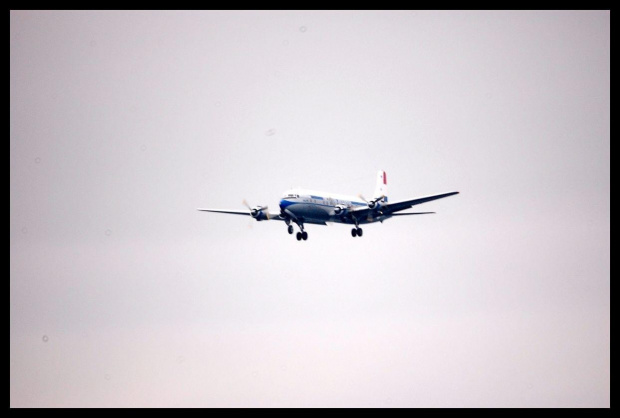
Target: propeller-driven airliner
(303, 206)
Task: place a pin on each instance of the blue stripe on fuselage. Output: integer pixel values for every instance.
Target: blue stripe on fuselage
(286, 203)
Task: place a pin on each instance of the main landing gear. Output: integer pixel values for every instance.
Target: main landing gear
(300, 235)
(357, 231)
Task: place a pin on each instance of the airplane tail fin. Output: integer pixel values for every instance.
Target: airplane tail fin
(381, 186)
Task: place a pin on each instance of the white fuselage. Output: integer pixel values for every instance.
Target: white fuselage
(319, 207)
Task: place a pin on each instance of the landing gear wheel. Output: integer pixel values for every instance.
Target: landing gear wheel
(290, 229)
(354, 232)
(360, 232)
(299, 236)
(304, 235)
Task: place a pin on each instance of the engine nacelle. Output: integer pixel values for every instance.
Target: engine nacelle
(340, 209)
(258, 214)
(374, 204)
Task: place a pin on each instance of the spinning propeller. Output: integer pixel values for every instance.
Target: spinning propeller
(257, 210)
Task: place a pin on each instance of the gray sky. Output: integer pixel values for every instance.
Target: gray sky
(123, 123)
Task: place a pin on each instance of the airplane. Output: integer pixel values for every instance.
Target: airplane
(303, 206)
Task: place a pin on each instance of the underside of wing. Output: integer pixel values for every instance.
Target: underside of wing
(411, 213)
(274, 216)
(406, 204)
(390, 208)
(362, 212)
(259, 215)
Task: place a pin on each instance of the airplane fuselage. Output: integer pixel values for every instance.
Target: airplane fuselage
(315, 207)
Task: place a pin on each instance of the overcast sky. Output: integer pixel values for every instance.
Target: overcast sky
(123, 123)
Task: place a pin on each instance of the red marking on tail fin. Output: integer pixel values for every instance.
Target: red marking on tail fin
(384, 178)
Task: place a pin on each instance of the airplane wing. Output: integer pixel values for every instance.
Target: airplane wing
(406, 204)
(233, 212)
(390, 208)
(411, 213)
(270, 216)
